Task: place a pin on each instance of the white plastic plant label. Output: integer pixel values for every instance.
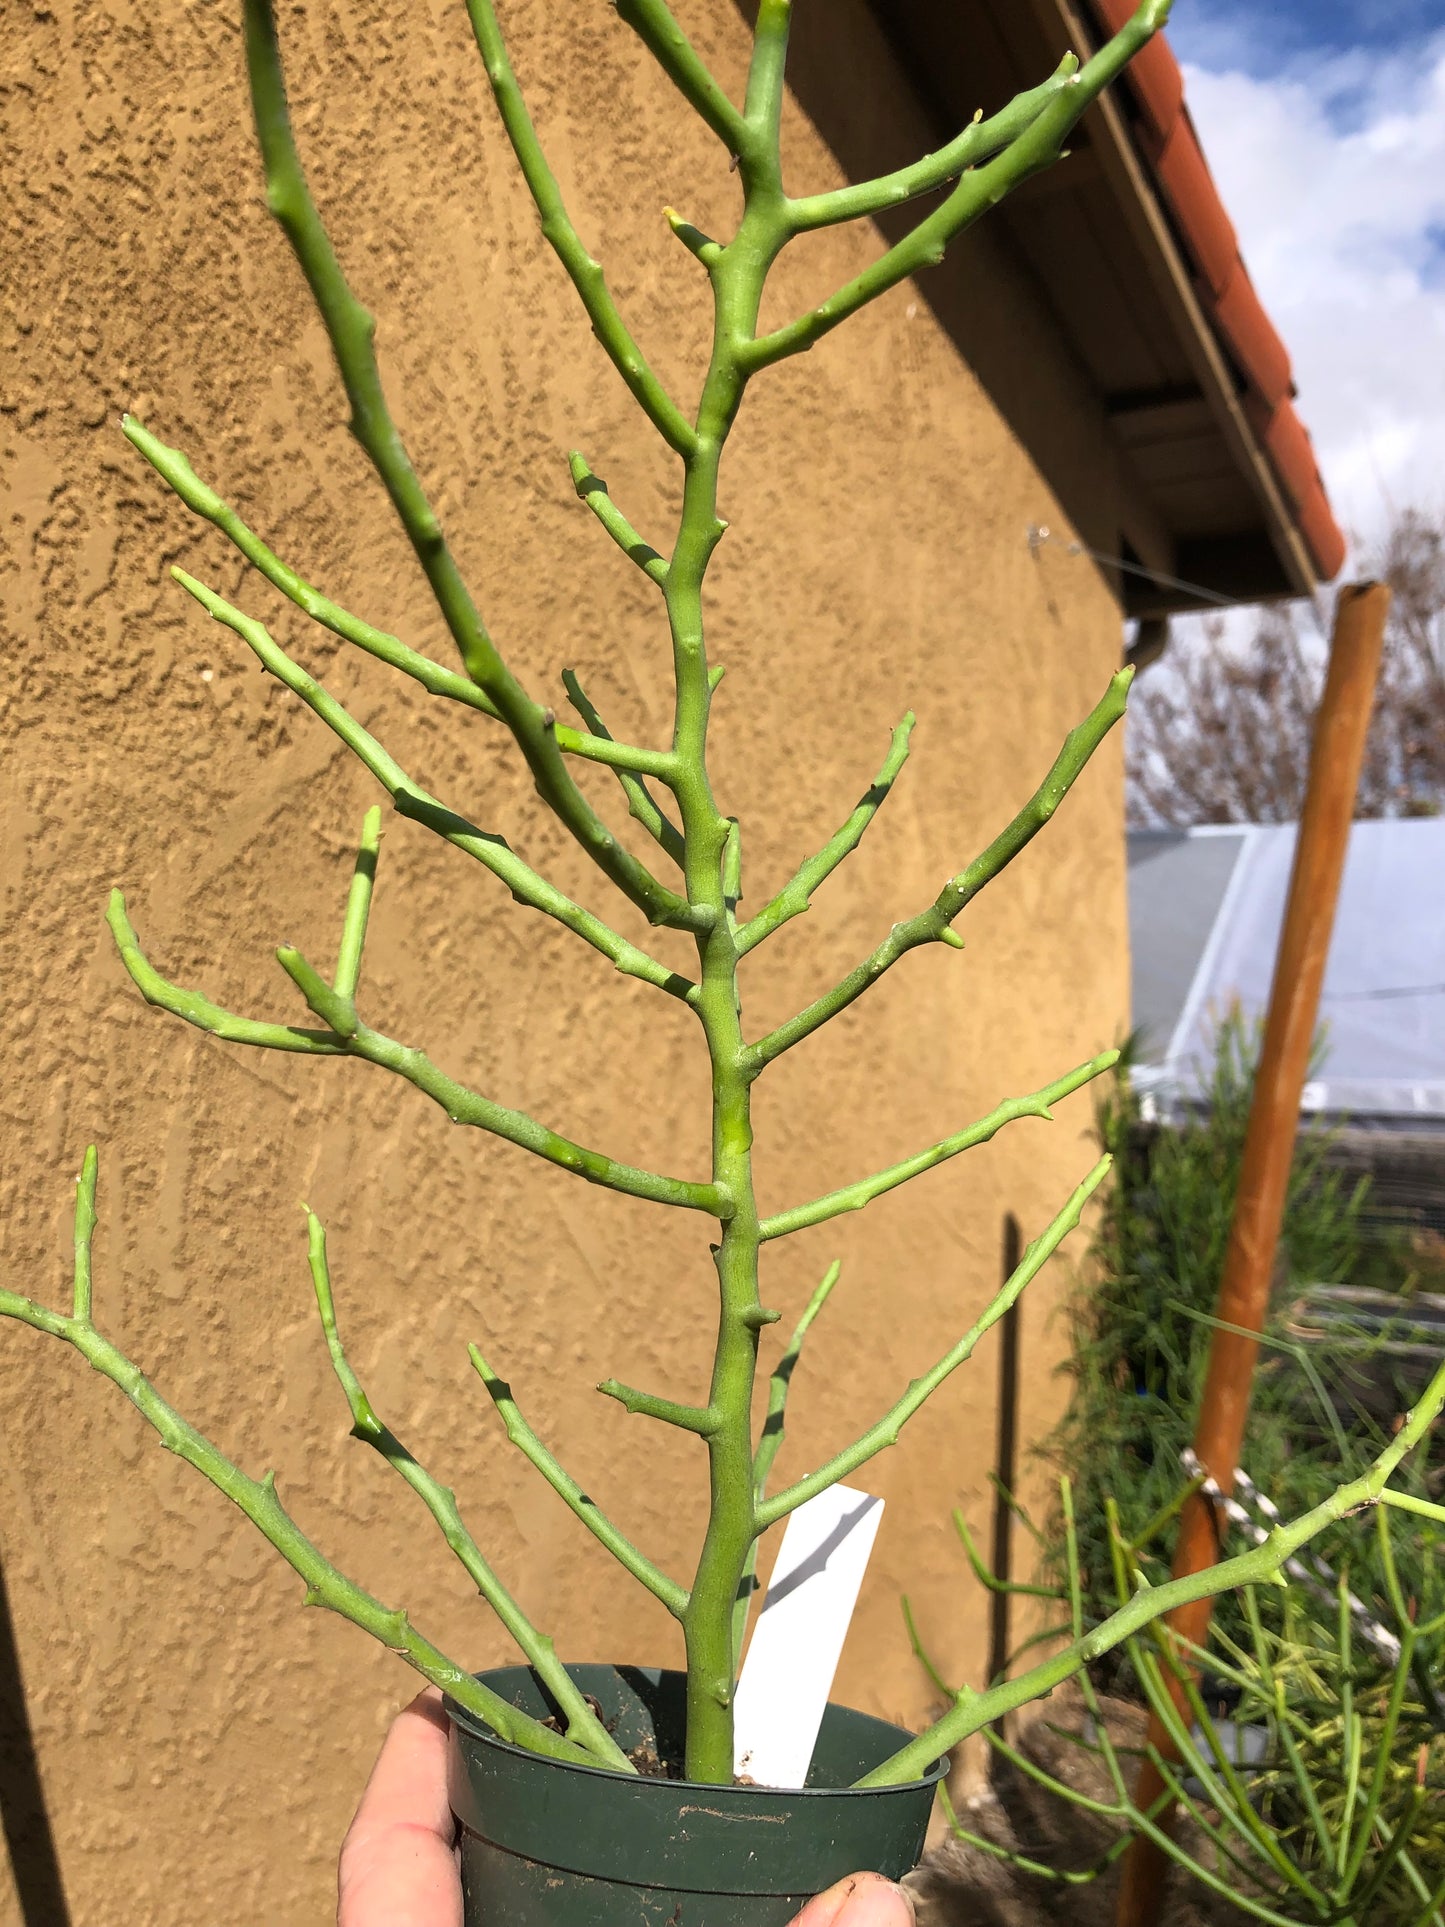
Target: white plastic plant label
(796, 1643)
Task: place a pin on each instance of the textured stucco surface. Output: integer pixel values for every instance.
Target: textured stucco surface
(201, 1738)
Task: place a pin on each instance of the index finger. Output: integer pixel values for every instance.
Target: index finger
(398, 1864)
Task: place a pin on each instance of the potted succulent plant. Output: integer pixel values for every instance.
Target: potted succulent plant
(561, 1820)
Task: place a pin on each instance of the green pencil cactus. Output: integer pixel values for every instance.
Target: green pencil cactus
(692, 885)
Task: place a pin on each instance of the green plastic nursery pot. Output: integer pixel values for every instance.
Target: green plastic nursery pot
(548, 1844)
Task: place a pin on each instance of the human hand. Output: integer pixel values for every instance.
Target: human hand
(862, 1900)
(399, 1860)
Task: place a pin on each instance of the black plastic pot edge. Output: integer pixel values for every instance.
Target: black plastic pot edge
(548, 1844)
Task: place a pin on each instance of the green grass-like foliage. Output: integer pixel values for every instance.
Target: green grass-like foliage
(1143, 1320)
(690, 881)
(1319, 1797)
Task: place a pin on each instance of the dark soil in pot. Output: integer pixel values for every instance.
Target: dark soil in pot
(546, 1844)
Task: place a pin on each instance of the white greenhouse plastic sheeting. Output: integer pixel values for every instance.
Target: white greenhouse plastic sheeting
(1205, 911)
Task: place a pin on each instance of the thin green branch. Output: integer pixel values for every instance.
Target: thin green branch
(583, 1725)
(853, 1197)
(641, 803)
(462, 1106)
(889, 1428)
(780, 1384)
(1421, 1508)
(732, 871)
(585, 274)
(934, 924)
(1434, 1898)
(1384, 1758)
(627, 1555)
(1059, 1789)
(700, 245)
(1037, 146)
(700, 1419)
(763, 109)
(656, 27)
(493, 852)
(1228, 1890)
(1258, 1566)
(980, 141)
(1413, 1638)
(1218, 1775)
(592, 490)
(796, 896)
(986, 1577)
(351, 330)
(770, 1441)
(199, 1010)
(358, 908)
(84, 1235)
(1138, 1819)
(257, 1498)
(925, 1658)
(1394, 1842)
(175, 469)
(337, 1013)
(434, 677)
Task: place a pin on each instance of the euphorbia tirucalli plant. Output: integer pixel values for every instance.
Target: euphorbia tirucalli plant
(692, 884)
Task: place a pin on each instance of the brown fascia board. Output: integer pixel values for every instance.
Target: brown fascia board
(1164, 189)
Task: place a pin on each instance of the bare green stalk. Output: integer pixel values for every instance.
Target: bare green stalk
(796, 896)
(1037, 145)
(688, 823)
(934, 925)
(853, 1197)
(641, 803)
(654, 24)
(176, 471)
(770, 1441)
(257, 1498)
(567, 1489)
(888, 1429)
(584, 273)
(410, 799)
(1259, 1566)
(592, 490)
(351, 330)
(461, 1105)
(583, 1725)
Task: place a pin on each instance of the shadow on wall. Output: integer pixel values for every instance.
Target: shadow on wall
(34, 1864)
(984, 294)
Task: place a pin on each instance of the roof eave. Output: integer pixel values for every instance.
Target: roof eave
(1260, 424)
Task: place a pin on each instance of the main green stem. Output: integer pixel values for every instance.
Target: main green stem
(737, 276)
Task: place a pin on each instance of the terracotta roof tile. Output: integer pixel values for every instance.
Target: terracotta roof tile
(1171, 149)
(1252, 337)
(1183, 173)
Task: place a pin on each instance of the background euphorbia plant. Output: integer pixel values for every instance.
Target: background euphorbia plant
(668, 790)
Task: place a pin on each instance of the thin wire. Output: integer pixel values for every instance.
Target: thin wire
(1039, 535)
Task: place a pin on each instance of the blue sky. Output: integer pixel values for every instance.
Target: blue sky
(1324, 124)
(1260, 36)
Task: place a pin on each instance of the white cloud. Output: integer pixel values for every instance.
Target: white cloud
(1334, 173)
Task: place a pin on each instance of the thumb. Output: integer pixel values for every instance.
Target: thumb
(863, 1900)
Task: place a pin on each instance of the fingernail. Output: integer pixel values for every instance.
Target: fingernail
(863, 1900)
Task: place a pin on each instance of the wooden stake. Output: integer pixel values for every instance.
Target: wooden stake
(1335, 760)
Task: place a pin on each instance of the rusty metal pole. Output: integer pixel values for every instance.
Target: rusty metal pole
(1335, 759)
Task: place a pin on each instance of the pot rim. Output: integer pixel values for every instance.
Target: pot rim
(476, 1729)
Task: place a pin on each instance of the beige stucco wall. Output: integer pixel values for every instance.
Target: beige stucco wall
(201, 1738)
